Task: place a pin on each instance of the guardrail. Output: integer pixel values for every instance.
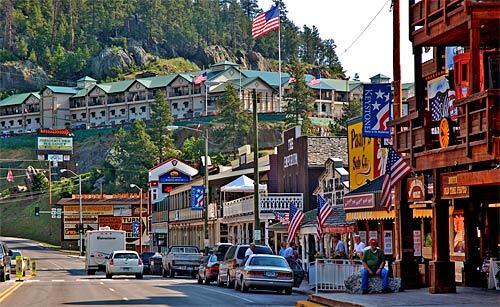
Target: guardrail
(330, 274)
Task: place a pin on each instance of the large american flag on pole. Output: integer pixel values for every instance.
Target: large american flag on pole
(296, 218)
(395, 169)
(324, 211)
(266, 22)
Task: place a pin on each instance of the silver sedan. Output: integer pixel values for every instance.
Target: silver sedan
(264, 272)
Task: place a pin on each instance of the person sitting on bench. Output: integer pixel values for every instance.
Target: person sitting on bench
(373, 265)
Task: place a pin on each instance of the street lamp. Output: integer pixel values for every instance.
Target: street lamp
(132, 185)
(170, 128)
(80, 228)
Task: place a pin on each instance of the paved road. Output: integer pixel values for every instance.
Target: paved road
(61, 280)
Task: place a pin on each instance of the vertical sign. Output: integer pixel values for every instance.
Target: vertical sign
(135, 228)
(377, 99)
(372, 234)
(388, 242)
(417, 243)
(197, 197)
(362, 236)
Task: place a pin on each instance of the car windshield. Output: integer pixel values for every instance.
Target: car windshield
(15, 254)
(217, 257)
(125, 256)
(269, 261)
(184, 249)
(259, 249)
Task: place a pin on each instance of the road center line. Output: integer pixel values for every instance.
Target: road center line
(229, 294)
(101, 283)
(57, 280)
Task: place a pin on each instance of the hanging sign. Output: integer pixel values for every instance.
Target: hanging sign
(417, 243)
(450, 189)
(377, 99)
(388, 242)
(416, 189)
(197, 197)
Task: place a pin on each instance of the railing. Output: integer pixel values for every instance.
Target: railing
(268, 203)
(330, 274)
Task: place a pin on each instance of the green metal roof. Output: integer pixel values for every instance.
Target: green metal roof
(63, 89)
(270, 77)
(86, 78)
(328, 84)
(17, 99)
(187, 76)
(83, 92)
(321, 121)
(116, 87)
(406, 86)
(236, 84)
(157, 81)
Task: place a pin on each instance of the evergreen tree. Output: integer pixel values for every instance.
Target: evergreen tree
(161, 118)
(235, 123)
(250, 7)
(300, 99)
(193, 148)
(350, 110)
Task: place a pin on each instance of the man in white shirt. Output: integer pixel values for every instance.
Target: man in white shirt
(359, 246)
(250, 250)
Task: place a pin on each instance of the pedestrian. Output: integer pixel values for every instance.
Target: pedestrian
(359, 246)
(373, 265)
(339, 249)
(250, 250)
(282, 249)
(289, 250)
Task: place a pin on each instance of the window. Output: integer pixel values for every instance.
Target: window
(174, 105)
(37, 120)
(92, 114)
(132, 110)
(112, 112)
(11, 123)
(20, 122)
(103, 113)
(464, 72)
(186, 104)
(84, 115)
(122, 111)
(125, 256)
(3, 124)
(28, 121)
(73, 116)
(143, 109)
(269, 261)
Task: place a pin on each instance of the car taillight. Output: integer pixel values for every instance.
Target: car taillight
(234, 264)
(140, 261)
(285, 275)
(255, 273)
(214, 267)
(111, 262)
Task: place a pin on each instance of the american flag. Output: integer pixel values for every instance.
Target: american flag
(439, 106)
(201, 78)
(282, 218)
(292, 80)
(324, 211)
(266, 22)
(10, 176)
(315, 81)
(395, 169)
(296, 218)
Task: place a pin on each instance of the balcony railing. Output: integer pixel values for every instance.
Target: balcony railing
(268, 204)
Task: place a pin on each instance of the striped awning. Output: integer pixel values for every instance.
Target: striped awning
(422, 213)
(370, 215)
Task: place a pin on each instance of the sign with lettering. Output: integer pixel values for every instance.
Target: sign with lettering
(367, 159)
(290, 160)
(417, 243)
(416, 189)
(174, 176)
(114, 222)
(388, 242)
(109, 196)
(89, 209)
(377, 100)
(361, 201)
(55, 143)
(451, 189)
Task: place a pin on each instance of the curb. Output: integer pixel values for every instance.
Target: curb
(299, 291)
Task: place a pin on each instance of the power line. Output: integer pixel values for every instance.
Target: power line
(364, 30)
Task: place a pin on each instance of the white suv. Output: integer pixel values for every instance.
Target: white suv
(124, 263)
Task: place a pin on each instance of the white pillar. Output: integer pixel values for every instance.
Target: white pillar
(247, 235)
(306, 243)
(266, 232)
(303, 241)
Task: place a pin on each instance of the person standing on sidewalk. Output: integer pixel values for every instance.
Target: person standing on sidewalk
(373, 265)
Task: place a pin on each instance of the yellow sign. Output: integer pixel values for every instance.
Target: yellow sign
(89, 209)
(33, 267)
(363, 162)
(19, 267)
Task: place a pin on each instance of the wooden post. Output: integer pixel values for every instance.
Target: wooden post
(396, 62)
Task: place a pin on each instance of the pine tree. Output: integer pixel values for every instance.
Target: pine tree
(350, 110)
(235, 122)
(300, 99)
(250, 7)
(161, 118)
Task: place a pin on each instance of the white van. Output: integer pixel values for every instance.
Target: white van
(100, 244)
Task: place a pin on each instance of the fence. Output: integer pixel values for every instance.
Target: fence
(330, 274)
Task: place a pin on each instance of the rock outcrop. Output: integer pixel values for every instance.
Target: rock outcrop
(22, 76)
(246, 59)
(353, 284)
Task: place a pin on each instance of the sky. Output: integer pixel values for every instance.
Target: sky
(344, 20)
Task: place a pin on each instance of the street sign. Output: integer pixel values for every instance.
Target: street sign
(56, 213)
(256, 234)
(135, 228)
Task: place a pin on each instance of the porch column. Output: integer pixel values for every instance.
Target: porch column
(442, 270)
(303, 254)
(472, 276)
(247, 235)
(266, 232)
(306, 260)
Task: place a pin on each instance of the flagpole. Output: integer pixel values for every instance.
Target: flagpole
(279, 56)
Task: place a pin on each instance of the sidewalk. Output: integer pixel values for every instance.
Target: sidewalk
(303, 289)
(420, 297)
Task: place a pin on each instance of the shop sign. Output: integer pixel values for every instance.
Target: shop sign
(362, 201)
(290, 160)
(89, 209)
(109, 196)
(416, 189)
(417, 243)
(55, 143)
(450, 189)
(367, 159)
(70, 232)
(372, 234)
(114, 222)
(388, 242)
(174, 176)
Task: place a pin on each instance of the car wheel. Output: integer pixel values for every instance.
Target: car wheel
(244, 288)
(90, 272)
(139, 276)
(288, 291)
(3, 276)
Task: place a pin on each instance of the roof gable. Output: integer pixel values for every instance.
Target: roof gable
(169, 165)
(17, 99)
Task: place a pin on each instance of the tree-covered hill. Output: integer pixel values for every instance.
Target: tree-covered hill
(64, 36)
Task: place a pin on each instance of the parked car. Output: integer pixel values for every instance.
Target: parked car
(13, 260)
(145, 256)
(221, 248)
(4, 262)
(156, 264)
(234, 258)
(264, 272)
(298, 273)
(124, 263)
(209, 268)
(181, 259)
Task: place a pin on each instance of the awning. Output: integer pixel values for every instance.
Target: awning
(370, 215)
(242, 184)
(422, 213)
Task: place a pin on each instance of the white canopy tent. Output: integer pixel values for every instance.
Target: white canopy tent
(242, 184)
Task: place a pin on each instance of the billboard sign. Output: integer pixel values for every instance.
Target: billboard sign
(55, 143)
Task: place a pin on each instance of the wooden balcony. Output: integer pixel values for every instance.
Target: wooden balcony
(444, 22)
(475, 137)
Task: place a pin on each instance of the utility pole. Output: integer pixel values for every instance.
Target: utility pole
(256, 210)
(206, 191)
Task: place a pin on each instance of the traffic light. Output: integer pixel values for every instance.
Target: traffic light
(37, 211)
